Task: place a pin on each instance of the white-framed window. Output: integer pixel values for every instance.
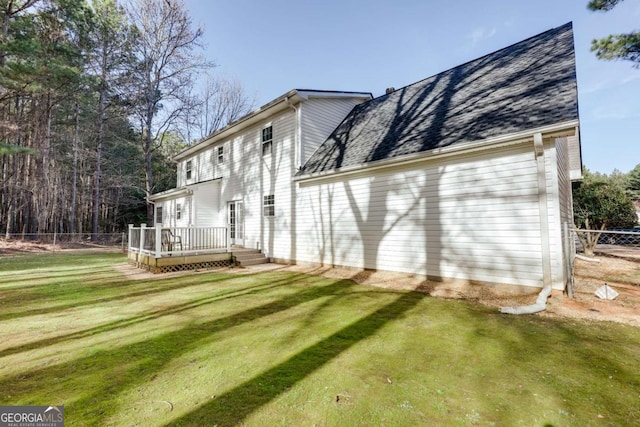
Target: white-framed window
(188, 169)
(158, 214)
(267, 140)
(178, 211)
(221, 154)
(269, 205)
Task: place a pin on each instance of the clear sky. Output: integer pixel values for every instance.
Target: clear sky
(368, 45)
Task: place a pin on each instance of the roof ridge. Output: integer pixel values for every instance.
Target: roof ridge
(549, 31)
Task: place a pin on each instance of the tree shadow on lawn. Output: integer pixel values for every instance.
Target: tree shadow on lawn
(234, 406)
(59, 262)
(121, 288)
(93, 383)
(150, 315)
(14, 281)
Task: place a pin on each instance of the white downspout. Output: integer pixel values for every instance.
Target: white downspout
(297, 143)
(541, 301)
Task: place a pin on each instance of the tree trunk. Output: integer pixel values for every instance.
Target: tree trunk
(148, 152)
(74, 178)
(98, 171)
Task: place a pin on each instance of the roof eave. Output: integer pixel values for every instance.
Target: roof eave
(170, 194)
(186, 190)
(294, 96)
(557, 130)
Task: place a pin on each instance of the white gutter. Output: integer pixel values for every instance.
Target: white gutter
(481, 145)
(541, 301)
(297, 143)
(169, 194)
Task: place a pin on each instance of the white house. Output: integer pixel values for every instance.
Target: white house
(464, 175)
(242, 174)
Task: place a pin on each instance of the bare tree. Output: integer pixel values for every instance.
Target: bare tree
(224, 101)
(219, 102)
(166, 51)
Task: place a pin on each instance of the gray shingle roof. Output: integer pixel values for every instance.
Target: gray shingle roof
(524, 86)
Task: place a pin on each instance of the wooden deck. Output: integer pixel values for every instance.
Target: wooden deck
(181, 262)
(237, 257)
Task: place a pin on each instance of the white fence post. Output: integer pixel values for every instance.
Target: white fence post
(129, 242)
(228, 238)
(158, 248)
(142, 233)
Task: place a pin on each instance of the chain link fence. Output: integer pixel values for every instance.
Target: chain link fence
(607, 256)
(609, 242)
(59, 241)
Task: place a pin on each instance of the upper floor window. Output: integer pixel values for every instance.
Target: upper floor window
(221, 154)
(269, 205)
(267, 140)
(188, 169)
(159, 215)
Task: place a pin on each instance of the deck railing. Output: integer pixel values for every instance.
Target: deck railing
(161, 241)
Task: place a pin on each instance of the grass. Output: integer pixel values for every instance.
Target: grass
(285, 348)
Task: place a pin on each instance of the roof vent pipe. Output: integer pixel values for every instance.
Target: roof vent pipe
(390, 90)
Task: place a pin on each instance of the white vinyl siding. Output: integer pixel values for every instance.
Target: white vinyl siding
(560, 204)
(206, 204)
(249, 176)
(574, 158)
(319, 117)
(169, 211)
(564, 206)
(205, 166)
(472, 218)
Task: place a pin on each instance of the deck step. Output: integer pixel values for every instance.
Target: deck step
(246, 257)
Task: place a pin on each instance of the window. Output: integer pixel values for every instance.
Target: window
(269, 205)
(221, 154)
(159, 215)
(178, 211)
(188, 172)
(267, 140)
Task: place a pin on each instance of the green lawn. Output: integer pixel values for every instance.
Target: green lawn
(284, 348)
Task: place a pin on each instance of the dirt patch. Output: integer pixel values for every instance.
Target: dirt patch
(18, 247)
(585, 305)
(623, 275)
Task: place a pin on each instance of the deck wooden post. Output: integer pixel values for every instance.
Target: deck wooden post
(142, 227)
(158, 248)
(228, 238)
